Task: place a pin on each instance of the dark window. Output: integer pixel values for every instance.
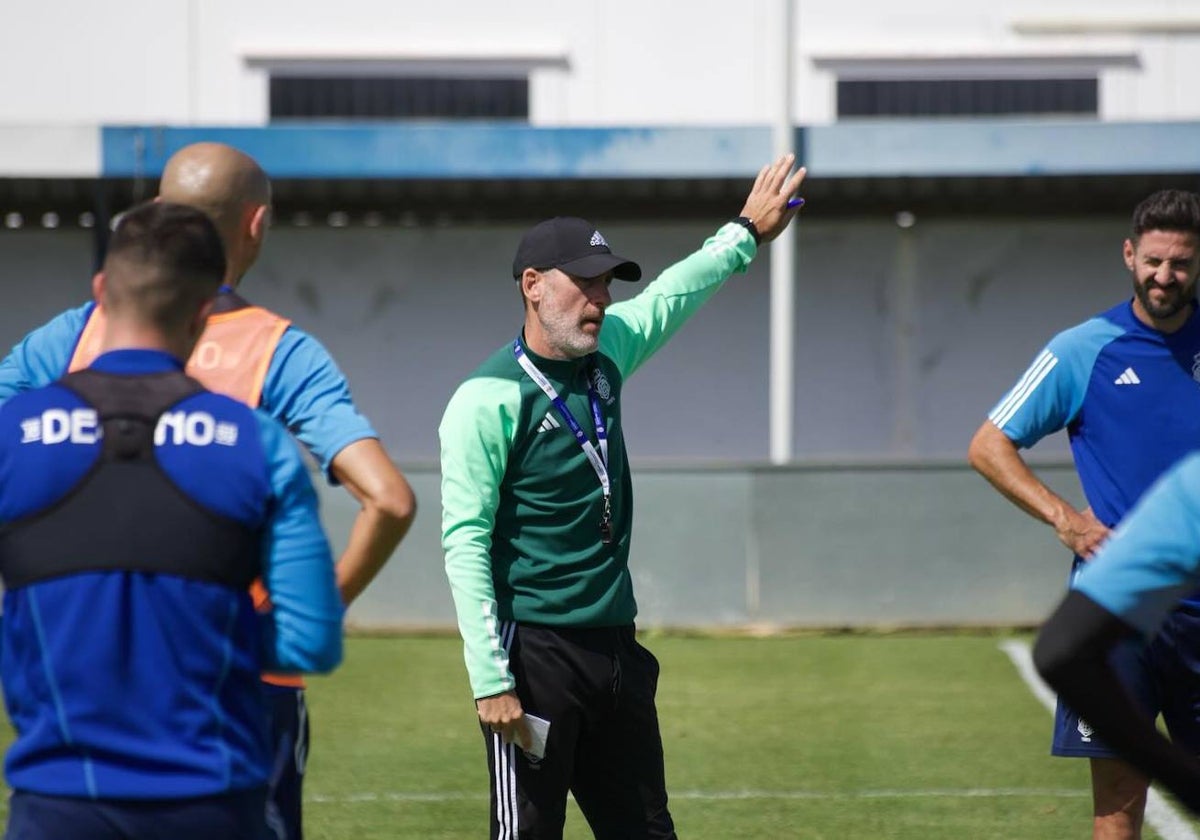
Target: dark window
(966, 97)
(379, 98)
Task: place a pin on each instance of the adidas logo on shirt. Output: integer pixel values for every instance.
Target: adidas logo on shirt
(550, 422)
(1127, 378)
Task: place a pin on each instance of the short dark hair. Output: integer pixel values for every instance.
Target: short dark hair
(1177, 210)
(164, 260)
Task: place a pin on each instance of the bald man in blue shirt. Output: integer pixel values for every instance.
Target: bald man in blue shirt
(135, 509)
(260, 358)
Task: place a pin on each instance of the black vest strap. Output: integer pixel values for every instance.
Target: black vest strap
(126, 514)
(129, 406)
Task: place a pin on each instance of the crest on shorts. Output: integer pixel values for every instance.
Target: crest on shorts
(1085, 730)
(601, 384)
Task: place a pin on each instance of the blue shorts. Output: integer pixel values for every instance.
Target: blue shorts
(1163, 677)
(234, 816)
(289, 745)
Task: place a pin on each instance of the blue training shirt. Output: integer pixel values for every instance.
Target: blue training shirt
(1153, 558)
(138, 685)
(1128, 396)
(304, 388)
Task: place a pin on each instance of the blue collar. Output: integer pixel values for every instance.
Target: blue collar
(136, 361)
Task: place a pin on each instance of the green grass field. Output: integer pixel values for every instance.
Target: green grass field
(851, 736)
(825, 737)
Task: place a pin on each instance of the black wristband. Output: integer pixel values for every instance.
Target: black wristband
(748, 224)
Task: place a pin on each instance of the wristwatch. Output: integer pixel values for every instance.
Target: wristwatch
(748, 224)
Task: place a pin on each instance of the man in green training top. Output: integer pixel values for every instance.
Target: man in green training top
(537, 513)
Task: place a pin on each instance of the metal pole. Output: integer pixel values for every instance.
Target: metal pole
(905, 310)
(783, 264)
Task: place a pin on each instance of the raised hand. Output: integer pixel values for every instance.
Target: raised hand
(767, 204)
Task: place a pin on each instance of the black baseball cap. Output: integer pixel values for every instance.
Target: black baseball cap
(572, 245)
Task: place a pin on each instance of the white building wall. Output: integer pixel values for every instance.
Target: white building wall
(83, 62)
(601, 63)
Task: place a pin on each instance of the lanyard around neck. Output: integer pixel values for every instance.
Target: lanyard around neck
(598, 459)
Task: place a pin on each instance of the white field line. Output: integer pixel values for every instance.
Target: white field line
(1162, 816)
(726, 795)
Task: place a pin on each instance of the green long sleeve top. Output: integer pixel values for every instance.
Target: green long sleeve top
(521, 504)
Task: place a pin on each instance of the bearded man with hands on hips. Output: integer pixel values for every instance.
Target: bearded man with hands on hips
(1124, 385)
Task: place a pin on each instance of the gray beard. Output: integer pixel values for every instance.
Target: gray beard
(565, 336)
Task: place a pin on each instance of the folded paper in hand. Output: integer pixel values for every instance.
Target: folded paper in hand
(538, 729)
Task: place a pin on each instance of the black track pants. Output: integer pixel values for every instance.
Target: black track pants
(596, 687)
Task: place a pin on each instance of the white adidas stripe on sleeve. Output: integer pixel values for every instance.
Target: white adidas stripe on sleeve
(1021, 392)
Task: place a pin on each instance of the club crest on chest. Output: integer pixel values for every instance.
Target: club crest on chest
(604, 389)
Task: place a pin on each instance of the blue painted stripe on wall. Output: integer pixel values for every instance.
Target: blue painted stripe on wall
(858, 149)
(456, 151)
(1001, 148)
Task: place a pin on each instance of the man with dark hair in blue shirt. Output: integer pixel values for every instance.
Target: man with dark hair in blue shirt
(261, 358)
(135, 509)
(1126, 387)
